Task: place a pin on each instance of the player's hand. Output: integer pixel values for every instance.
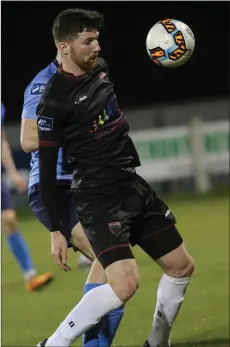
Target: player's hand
(59, 250)
(19, 183)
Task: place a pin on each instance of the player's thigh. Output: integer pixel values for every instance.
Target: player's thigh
(67, 217)
(6, 197)
(80, 241)
(37, 206)
(8, 214)
(161, 240)
(97, 273)
(104, 226)
(159, 235)
(77, 238)
(9, 221)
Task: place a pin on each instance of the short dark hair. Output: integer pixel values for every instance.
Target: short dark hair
(70, 22)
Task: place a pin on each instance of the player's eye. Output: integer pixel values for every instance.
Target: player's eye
(89, 41)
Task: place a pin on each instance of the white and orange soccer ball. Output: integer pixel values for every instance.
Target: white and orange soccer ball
(170, 43)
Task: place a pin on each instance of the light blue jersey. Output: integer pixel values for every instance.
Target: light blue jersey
(31, 99)
(3, 112)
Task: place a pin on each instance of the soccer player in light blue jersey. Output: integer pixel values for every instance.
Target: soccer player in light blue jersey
(104, 332)
(14, 238)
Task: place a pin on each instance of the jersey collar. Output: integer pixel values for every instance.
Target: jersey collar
(55, 62)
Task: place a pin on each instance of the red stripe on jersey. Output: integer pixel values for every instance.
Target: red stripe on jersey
(48, 143)
(112, 248)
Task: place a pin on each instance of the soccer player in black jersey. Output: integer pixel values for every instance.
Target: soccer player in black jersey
(116, 207)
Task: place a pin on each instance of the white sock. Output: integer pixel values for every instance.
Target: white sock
(170, 295)
(28, 275)
(88, 312)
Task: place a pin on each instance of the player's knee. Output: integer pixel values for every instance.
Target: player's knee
(125, 286)
(124, 278)
(178, 263)
(9, 221)
(184, 268)
(189, 267)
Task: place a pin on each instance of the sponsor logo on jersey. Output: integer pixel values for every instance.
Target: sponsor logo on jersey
(45, 124)
(81, 99)
(37, 89)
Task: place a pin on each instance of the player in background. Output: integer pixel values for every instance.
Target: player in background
(16, 243)
(29, 144)
(29, 136)
(104, 332)
(84, 262)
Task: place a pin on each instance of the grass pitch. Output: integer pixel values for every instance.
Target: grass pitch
(204, 319)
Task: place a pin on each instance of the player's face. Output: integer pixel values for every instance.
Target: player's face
(85, 49)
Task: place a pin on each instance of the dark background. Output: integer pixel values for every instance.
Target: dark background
(27, 47)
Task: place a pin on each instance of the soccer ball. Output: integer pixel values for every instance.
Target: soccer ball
(170, 43)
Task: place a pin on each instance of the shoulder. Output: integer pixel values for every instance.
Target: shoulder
(53, 98)
(56, 88)
(37, 85)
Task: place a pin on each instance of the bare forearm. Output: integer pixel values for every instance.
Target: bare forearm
(32, 143)
(7, 158)
(29, 142)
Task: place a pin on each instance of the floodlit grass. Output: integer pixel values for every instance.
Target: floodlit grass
(203, 322)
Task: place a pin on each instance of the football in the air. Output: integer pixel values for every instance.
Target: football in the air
(170, 43)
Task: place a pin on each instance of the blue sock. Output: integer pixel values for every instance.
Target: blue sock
(20, 251)
(109, 326)
(102, 334)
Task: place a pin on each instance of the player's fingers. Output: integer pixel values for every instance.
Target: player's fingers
(64, 255)
(57, 258)
(64, 267)
(64, 260)
(58, 261)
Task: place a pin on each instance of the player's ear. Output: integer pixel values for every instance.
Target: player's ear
(63, 47)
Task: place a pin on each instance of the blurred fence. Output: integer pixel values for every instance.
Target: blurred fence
(196, 151)
(183, 147)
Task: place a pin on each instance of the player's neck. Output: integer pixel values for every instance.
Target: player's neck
(72, 68)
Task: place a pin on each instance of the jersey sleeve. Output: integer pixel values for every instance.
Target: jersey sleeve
(31, 99)
(49, 133)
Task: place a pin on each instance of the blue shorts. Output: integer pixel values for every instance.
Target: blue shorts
(67, 209)
(6, 197)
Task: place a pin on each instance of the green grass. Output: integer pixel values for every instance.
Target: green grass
(29, 317)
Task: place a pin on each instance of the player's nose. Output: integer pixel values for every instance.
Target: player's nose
(97, 47)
